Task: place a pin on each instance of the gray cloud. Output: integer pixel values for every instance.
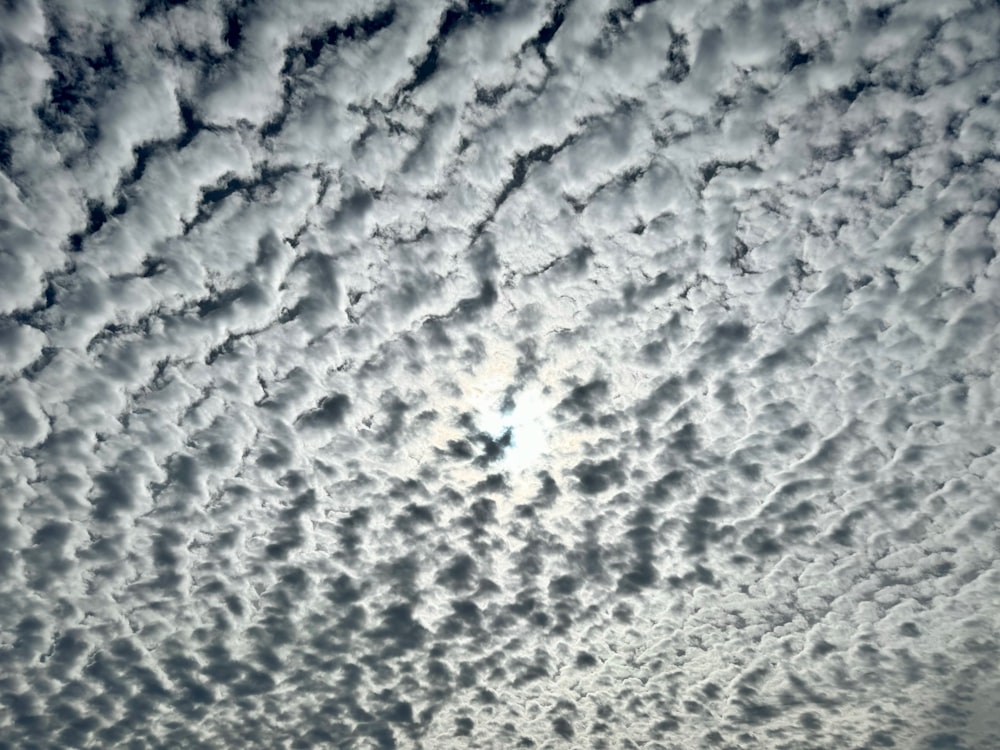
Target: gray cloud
(510, 374)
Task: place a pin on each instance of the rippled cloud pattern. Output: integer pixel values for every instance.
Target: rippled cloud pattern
(516, 374)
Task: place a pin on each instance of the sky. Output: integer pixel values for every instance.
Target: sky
(500, 374)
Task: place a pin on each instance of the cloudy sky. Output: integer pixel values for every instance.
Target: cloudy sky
(515, 374)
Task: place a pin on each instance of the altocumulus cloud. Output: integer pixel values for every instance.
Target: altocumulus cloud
(499, 374)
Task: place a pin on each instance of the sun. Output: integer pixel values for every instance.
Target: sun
(493, 397)
(525, 415)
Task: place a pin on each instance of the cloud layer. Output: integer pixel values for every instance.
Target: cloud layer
(491, 375)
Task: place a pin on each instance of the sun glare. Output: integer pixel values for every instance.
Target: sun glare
(527, 421)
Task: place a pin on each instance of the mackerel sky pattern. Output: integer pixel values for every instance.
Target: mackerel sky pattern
(510, 374)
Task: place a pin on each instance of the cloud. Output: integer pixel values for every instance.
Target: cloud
(498, 374)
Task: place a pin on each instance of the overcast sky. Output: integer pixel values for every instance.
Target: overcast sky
(499, 374)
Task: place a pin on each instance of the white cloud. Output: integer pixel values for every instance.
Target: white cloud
(524, 375)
